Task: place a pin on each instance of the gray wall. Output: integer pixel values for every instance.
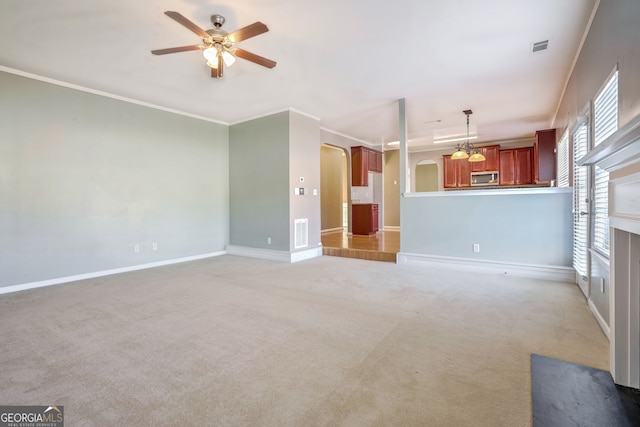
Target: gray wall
(514, 228)
(304, 161)
(84, 178)
(613, 39)
(259, 182)
(598, 295)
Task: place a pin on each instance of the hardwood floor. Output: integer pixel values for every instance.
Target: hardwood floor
(382, 246)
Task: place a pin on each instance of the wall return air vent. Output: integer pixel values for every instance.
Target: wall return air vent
(301, 232)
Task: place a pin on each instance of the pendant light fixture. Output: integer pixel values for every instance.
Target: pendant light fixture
(467, 150)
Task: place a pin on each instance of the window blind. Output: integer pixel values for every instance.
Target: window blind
(563, 160)
(605, 115)
(605, 122)
(580, 201)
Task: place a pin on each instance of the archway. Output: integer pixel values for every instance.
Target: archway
(426, 176)
(334, 181)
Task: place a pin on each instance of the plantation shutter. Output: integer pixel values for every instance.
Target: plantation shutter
(580, 201)
(605, 119)
(563, 160)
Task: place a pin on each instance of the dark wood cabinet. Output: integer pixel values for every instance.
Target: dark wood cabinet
(364, 218)
(379, 161)
(359, 167)
(363, 161)
(492, 164)
(544, 156)
(507, 168)
(516, 166)
(457, 173)
(523, 166)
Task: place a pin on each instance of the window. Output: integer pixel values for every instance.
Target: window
(605, 122)
(580, 200)
(563, 160)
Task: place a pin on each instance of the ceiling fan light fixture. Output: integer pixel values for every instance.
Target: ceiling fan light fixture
(228, 57)
(211, 55)
(217, 45)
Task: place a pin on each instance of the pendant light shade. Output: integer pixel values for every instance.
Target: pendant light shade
(459, 155)
(467, 150)
(477, 157)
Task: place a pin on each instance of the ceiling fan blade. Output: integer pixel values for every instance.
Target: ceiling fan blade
(176, 49)
(185, 22)
(247, 32)
(260, 60)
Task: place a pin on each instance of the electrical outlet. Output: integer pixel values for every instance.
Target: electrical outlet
(155, 246)
(476, 247)
(268, 240)
(136, 248)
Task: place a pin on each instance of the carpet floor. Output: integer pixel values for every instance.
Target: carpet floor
(232, 341)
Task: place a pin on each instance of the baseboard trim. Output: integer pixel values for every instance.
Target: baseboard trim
(308, 254)
(273, 255)
(544, 272)
(391, 227)
(603, 324)
(61, 280)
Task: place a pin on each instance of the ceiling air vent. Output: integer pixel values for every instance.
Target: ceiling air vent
(540, 46)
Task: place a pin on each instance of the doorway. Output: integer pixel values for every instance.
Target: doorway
(334, 189)
(426, 176)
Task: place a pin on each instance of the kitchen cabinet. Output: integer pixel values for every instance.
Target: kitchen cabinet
(516, 166)
(375, 161)
(364, 218)
(492, 164)
(457, 173)
(544, 156)
(363, 161)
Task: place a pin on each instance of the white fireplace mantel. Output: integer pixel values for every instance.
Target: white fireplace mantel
(620, 154)
(620, 149)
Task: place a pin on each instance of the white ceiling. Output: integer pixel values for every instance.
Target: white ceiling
(346, 62)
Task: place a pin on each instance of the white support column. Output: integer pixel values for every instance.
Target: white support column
(404, 157)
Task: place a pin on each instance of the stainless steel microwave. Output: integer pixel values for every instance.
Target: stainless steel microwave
(484, 178)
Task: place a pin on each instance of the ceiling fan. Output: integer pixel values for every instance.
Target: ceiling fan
(218, 46)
